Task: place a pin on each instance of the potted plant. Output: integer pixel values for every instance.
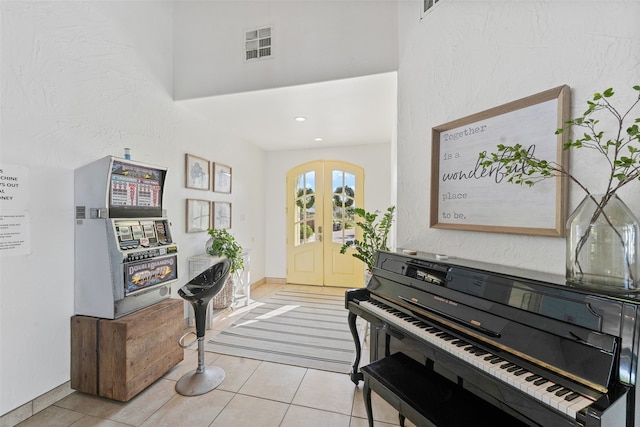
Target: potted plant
(603, 234)
(375, 234)
(223, 244)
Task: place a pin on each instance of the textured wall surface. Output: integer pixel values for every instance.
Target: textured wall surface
(74, 89)
(469, 56)
(80, 81)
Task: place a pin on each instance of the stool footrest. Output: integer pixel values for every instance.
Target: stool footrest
(181, 340)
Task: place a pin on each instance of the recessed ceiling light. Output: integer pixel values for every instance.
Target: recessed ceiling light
(317, 139)
(300, 119)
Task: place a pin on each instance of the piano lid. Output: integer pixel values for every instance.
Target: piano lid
(551, 325)
(537, 276)
(536, 292)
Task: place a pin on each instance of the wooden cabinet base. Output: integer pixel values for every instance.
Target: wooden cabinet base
(119, 358)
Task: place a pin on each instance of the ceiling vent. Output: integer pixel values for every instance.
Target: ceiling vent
(257, 44)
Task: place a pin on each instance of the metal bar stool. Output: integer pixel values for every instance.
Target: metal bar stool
(199, 292)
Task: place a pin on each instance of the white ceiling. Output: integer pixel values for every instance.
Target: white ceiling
(351, 111)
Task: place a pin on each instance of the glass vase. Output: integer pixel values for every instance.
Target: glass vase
(603, 244)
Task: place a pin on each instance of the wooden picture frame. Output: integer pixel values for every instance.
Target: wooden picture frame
(464, 196)
(221, 178)
(197, 172)
(198, 215)
(221, 215)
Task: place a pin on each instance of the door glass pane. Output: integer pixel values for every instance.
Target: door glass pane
(305, 208)
(344, 186)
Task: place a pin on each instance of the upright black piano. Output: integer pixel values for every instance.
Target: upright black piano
(462, 341)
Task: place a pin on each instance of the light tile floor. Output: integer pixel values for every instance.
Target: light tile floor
(254, 394)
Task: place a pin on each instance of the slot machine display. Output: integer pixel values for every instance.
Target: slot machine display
(125, 258)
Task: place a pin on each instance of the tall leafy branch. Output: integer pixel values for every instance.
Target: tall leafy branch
(521, 166)
(375, 233)
(620, 149)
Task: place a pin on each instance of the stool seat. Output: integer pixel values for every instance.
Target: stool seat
(207, 284)
(199, 291)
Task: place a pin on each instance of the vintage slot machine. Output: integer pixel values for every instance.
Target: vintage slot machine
(125, 258)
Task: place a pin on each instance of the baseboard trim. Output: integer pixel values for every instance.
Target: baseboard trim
(29, 409)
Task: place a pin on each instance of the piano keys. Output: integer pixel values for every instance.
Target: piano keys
(545, 390)
(546, 353)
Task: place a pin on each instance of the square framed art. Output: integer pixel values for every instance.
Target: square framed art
(221, 178)
(221, 215)
(196, 172)
(198, 215)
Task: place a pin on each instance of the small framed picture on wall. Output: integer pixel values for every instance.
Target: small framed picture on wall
(221, 178)
(198, 215)
(197, 172)
(221, 215)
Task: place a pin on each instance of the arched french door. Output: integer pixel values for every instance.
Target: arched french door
(319, 195)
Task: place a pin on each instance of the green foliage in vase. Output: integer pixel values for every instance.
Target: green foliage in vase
(375, 234)
(619, 148)
(224, 244)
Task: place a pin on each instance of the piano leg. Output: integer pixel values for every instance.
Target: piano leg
(355, 375)
(387, 345)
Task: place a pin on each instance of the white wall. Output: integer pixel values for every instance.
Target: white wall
(348, 39)
(374, 158)
(468, 56)
(198, 137)
(79, 81)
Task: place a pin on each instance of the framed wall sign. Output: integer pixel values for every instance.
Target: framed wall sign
(465, 196)
(197, 172)
(221, 215)
(198, 215)
(221, 178)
